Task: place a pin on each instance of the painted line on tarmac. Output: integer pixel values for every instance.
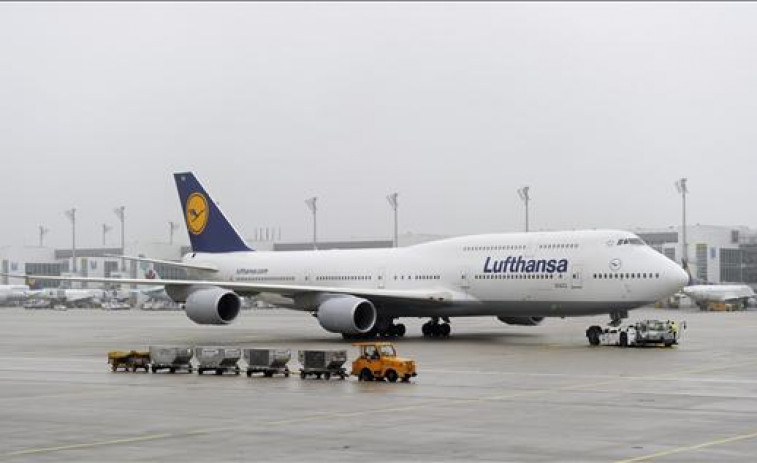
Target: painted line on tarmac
(434, 403)
(126, 440)
(690, 448)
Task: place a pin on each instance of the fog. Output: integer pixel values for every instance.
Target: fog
(599, 108)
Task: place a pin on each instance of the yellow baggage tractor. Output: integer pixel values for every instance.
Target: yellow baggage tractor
(129, 360)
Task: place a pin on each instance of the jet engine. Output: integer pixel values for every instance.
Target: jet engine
(522, 321)
(347, 315)
(212, 306)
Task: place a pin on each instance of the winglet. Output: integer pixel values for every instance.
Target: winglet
(209, 230)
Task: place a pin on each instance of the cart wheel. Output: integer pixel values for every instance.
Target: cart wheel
(286, 374)
(302, 375)
(406, 379)
(267, 374)
(190, 369)
(327, 376)
(342, 376)
(392, 376)
(317, 376)
(172, 370)
(113, 368)
(219, 372)
(249, 373)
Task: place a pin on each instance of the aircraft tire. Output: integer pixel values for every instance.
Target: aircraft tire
(445, 330)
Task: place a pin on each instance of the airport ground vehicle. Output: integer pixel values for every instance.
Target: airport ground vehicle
(323, 363)
(129, 360)
(378, 360)
(218, 359)
(267, 361)
(171, 358)
(645, 332)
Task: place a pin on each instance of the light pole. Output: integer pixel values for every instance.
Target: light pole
(172, 227)
(119, 211)
(392, 198)
(683, 190)
(106, 229)
(523, 193)
(42, 232)
(314, 209)
(71, 214)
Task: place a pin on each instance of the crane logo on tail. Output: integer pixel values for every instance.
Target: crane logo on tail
(196, 212)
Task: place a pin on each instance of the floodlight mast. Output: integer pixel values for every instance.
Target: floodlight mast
(683, 190)
(120, 213)
(71, 214)
(392, 198)
(314, 209)
(42, 232)
(106, 229)
(524, 195)
(172, 227)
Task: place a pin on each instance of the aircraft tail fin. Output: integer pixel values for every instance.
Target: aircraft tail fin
(209, 230)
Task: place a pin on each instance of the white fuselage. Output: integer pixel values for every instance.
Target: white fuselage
(718, 293)
(521, 274)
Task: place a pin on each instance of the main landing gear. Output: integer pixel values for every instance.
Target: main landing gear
(434, 329)
(381, 330)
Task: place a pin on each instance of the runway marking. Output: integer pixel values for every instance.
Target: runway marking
(689, 448)
(432, 403)
(126, 440)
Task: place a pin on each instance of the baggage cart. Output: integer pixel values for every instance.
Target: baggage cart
(129, 360)
(218, 359)
(171, 358)
(267, 361)
(324, 363)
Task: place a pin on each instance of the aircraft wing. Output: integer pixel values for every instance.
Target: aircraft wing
(435, 296)
(171, 263)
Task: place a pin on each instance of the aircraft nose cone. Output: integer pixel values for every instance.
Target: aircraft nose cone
(678, 277)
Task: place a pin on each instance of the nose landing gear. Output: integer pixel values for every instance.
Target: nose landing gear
(434, 329)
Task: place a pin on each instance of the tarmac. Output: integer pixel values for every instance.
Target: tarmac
(491, 392)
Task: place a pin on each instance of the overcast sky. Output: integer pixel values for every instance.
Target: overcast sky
(598, 107)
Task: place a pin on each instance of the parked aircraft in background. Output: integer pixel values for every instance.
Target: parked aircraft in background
(734, 294)
(14, 293)
(519, 278)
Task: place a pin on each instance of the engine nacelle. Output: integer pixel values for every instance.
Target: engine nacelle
(347, 315)
(212, 306)
(522, 321)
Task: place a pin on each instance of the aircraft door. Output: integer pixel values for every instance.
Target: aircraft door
(381, 278)
(576, 277)
(465, 277)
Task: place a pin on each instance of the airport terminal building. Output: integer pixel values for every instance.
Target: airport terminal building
(717, 254)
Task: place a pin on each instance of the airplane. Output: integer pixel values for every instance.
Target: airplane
(14, 293)
(73, 297)
(519, 278)
(703, 294)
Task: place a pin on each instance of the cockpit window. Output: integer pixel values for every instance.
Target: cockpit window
(634, 241)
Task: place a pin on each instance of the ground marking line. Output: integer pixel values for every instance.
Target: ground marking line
(438, 402)
(673, 451)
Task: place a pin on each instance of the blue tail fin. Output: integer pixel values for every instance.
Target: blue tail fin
(209, 231)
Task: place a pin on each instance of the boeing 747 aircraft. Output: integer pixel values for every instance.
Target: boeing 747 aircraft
(519, 278)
